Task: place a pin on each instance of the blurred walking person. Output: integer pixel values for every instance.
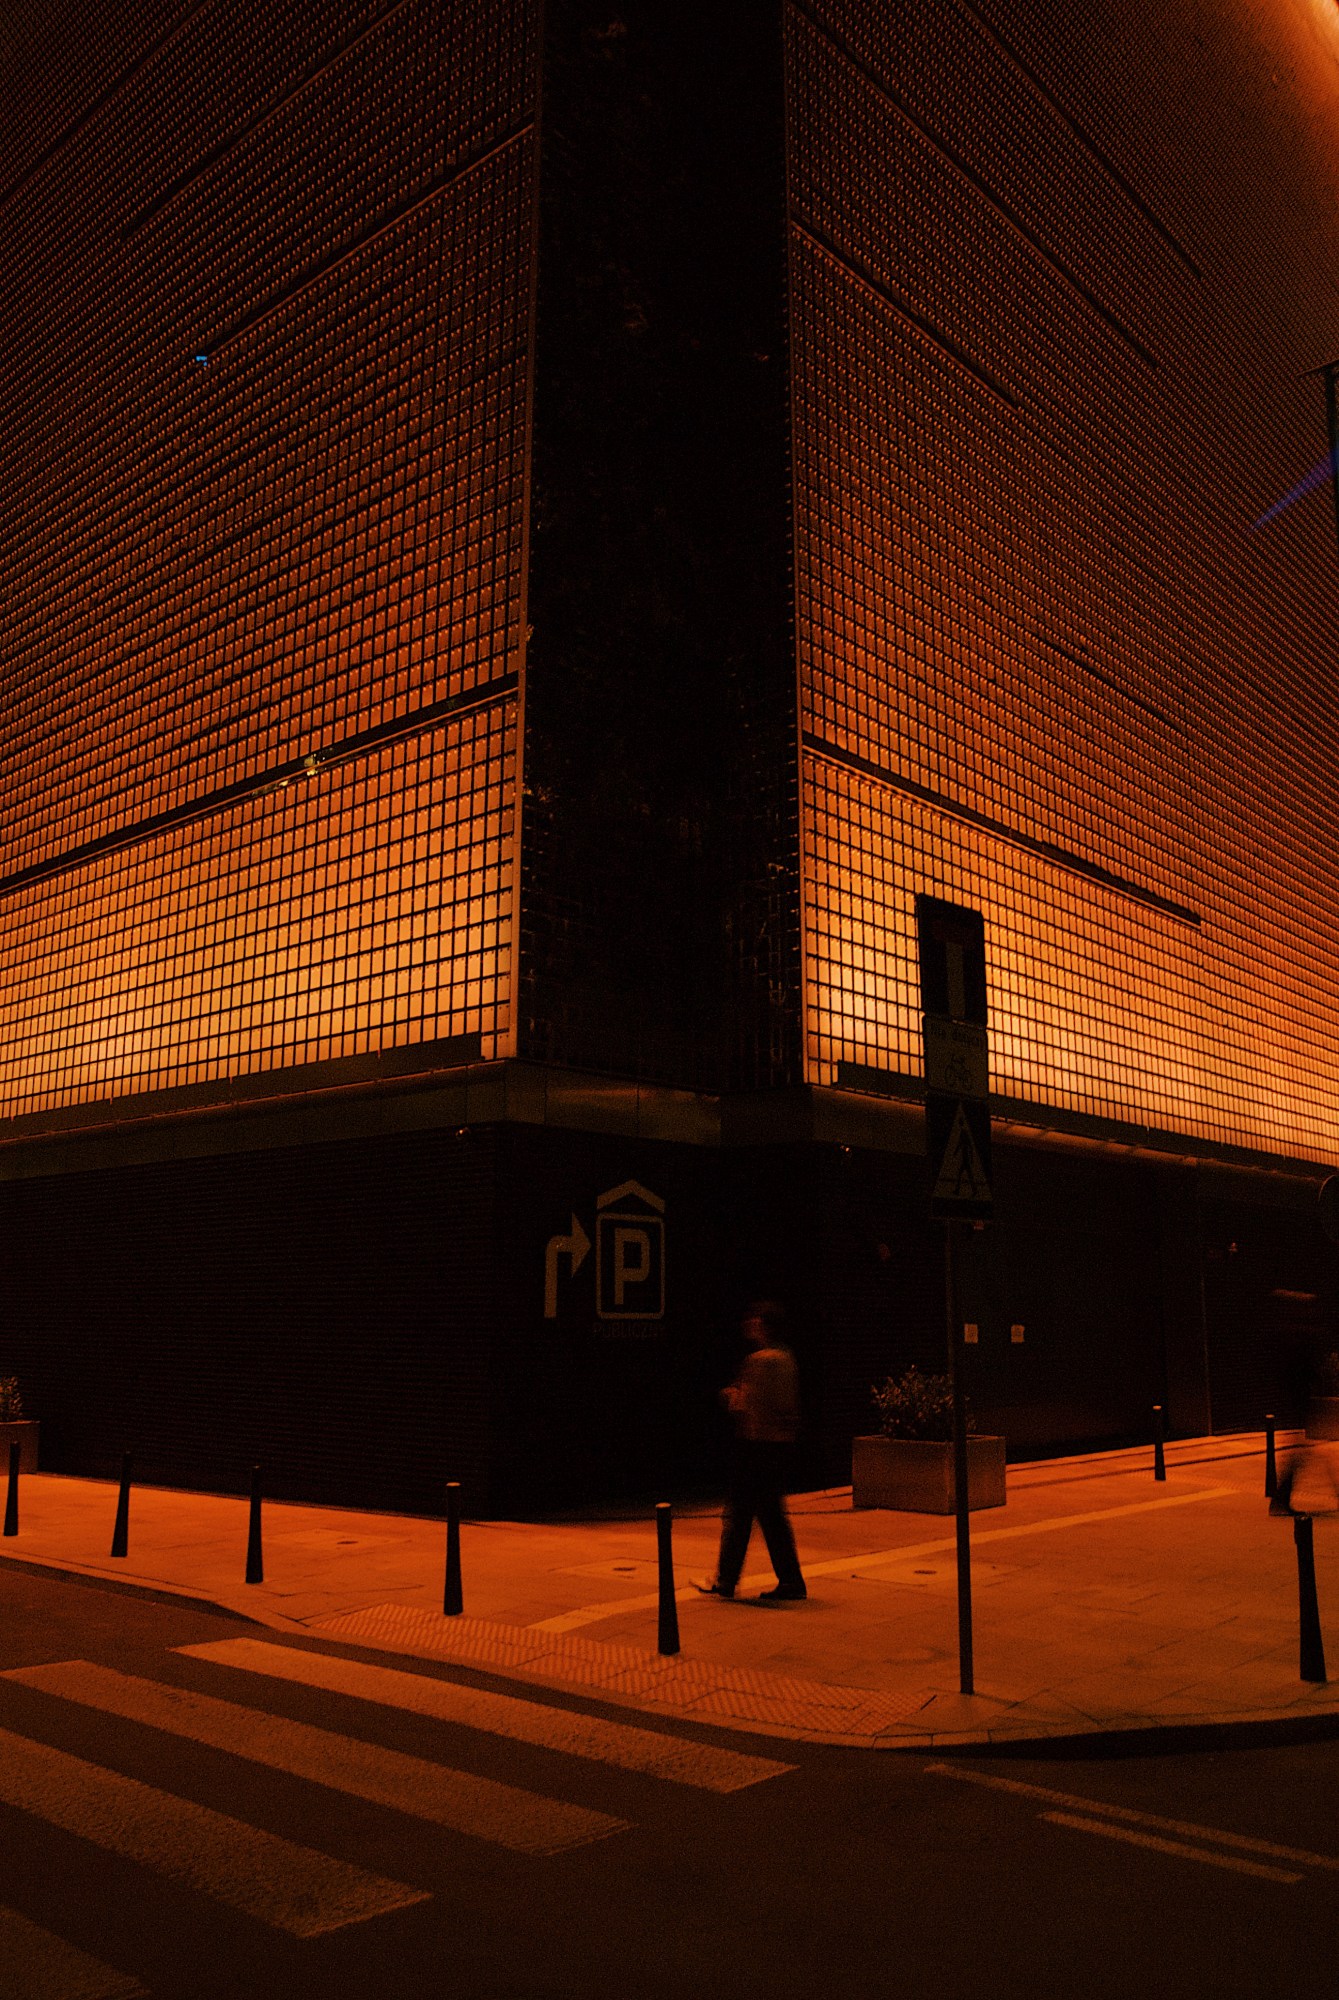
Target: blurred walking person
(764, 1400)
(1308, 1481)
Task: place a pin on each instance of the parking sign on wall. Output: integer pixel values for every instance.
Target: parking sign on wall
(630, 1254)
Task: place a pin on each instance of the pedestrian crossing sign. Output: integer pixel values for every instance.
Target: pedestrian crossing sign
(958, 1130)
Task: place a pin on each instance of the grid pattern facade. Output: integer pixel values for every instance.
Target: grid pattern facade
(361, 907)
(1049, 353)
(266, 283)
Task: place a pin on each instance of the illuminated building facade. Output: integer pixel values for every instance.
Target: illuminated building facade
(528, 534)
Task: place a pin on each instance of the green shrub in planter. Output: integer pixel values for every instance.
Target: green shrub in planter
(15, 1428)
(913, 1405)
(909, 1467)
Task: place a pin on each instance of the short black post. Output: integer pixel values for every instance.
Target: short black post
(1312, 1652)
(1159, 1437)
(452, 1602)
(12, 1497)
(121, 1531)
(669, 1610)
(1271, 1461)
(255, 1566)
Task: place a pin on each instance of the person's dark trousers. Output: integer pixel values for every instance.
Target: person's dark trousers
(758, 1478)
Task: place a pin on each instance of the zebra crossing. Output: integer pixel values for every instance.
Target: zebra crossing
(279, 1882)
(675, 1759)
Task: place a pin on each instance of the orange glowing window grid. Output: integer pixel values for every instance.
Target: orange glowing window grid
(1047, 667)
(262, 499)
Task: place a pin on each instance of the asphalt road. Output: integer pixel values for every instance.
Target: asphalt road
(171, 1824)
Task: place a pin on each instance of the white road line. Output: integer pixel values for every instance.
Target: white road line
(594, 1614)
(526, 1821)
(1177, 1847)
(36, 1965)
(1128, 1814)
(290, 1887)
(1090, 1518)
(671, 1758)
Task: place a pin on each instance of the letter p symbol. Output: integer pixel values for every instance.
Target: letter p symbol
(632, 1260)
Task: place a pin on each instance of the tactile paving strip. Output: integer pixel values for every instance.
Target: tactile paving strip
(699, 1688)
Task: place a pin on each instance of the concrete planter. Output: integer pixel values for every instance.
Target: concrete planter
(1322, 1417)
(915, 1475)
(24, 1434)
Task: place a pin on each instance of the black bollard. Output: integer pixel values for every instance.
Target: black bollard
(121, 1530)
(669, 1610)
(1312, 1652)
(12, 1497)
(1271, 1461)
(1159, 1436)
(255, 1566)
(452, 1602)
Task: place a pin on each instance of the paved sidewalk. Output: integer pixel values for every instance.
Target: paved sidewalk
(1104, 1602)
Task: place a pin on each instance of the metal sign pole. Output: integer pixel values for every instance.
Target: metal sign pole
(961, 1497)
(951, 952)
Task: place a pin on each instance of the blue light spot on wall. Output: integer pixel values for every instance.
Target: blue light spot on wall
(1307, 484)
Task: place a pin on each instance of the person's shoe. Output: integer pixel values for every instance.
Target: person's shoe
(710, 1588)
(781, 1595)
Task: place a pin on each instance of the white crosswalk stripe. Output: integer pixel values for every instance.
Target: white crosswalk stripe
(505, 1814)
(674, 1759)
(278, 1881)
(290, 1887)
(36, 1965)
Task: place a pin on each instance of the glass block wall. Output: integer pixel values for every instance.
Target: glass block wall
(265, 279)
(1058, 277)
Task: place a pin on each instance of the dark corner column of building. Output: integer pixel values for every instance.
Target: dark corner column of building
(658, 816)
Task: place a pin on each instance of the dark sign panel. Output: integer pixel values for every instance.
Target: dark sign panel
(952, 945)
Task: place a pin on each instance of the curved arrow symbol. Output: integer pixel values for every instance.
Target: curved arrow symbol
(574, 1246)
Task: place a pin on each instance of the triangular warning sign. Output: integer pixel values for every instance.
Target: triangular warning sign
(962, 1176)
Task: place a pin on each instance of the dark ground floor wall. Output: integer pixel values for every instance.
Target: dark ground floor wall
(548, 1315)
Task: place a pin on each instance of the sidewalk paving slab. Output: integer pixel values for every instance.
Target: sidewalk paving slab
(1105, 1603)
